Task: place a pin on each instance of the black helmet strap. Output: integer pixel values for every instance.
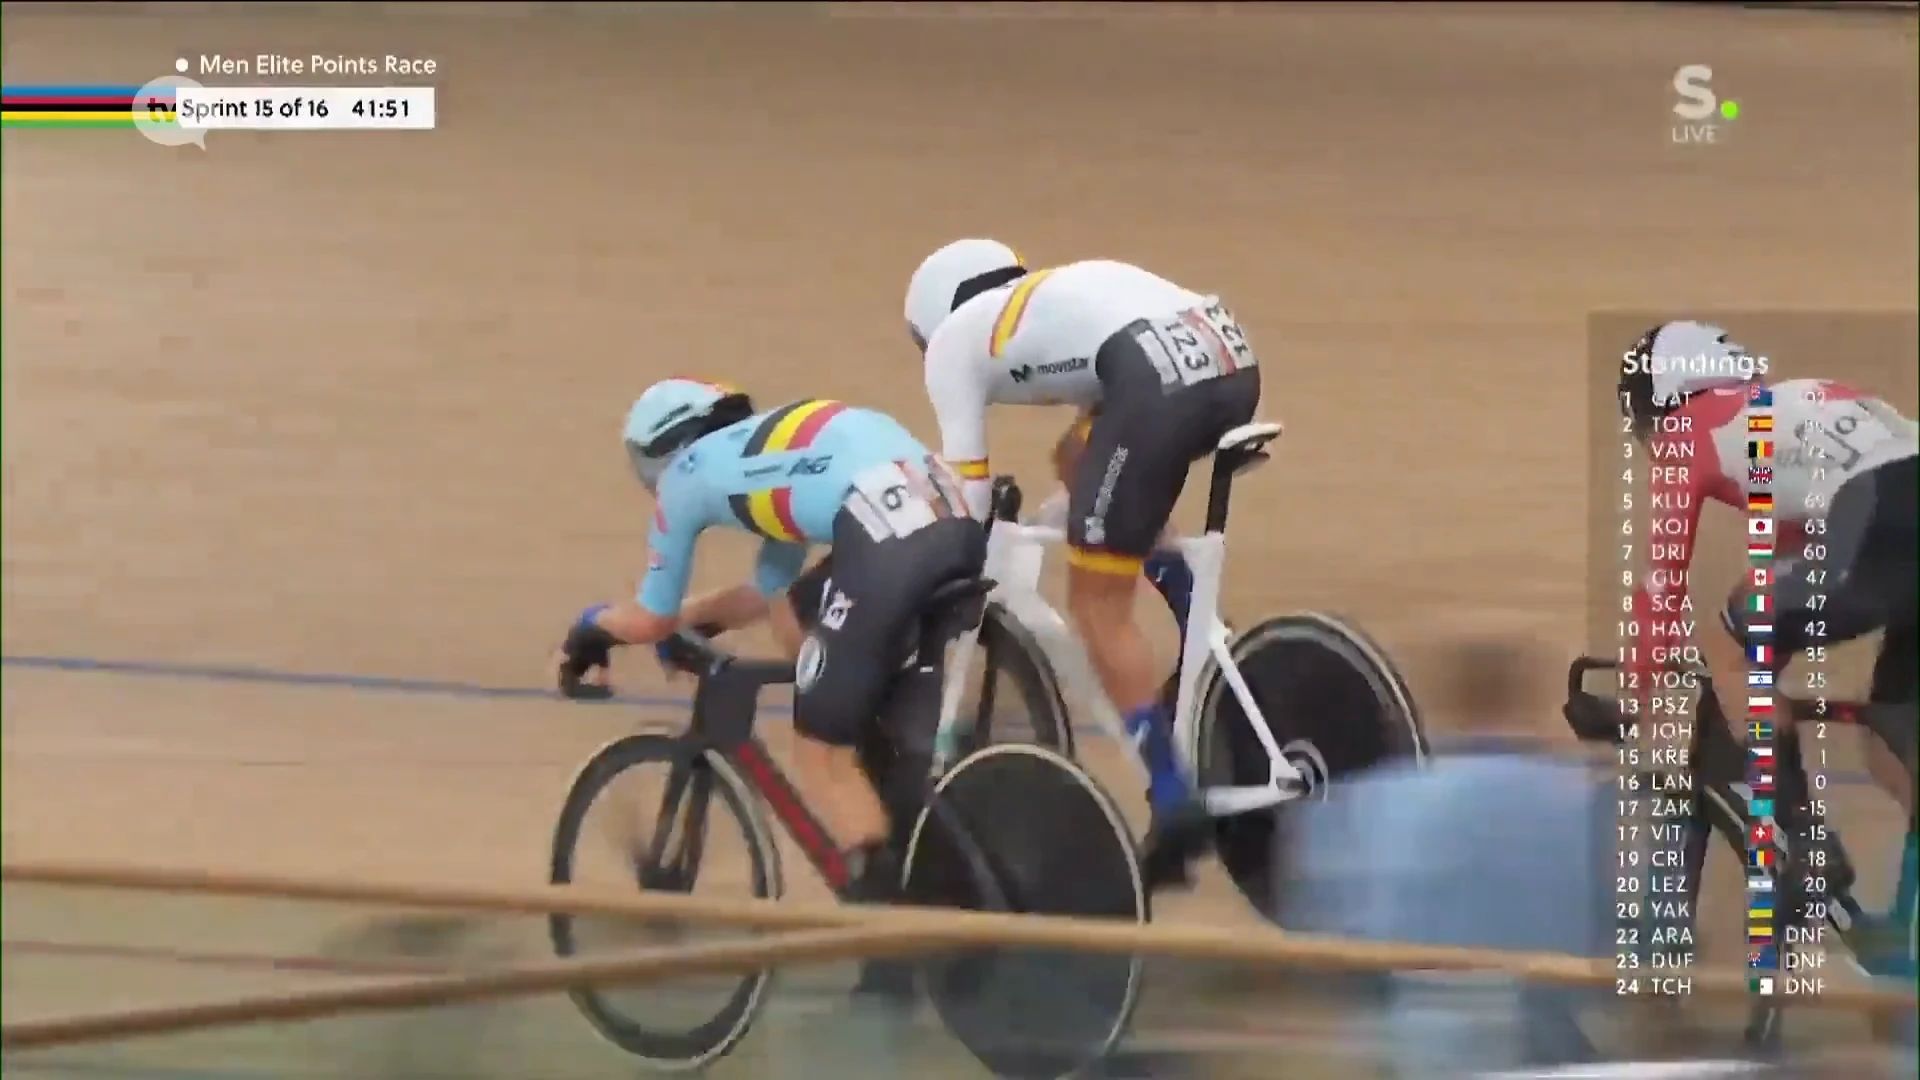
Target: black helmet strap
(980, 283)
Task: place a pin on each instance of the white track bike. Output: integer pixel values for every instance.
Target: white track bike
(1335, 704)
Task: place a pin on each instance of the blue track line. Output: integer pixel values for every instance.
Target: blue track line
(335, 680)
(375, 684)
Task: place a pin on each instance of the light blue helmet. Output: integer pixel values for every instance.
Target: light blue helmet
(671, 415)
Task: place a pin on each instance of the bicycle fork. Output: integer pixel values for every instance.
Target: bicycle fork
(1284, 781)
(1212, 642)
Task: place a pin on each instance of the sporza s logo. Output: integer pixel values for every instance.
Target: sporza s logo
(1699, 113)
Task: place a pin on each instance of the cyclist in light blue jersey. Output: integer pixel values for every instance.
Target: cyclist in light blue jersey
(810, 473)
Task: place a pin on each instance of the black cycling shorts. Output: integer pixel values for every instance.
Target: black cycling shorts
(861, 606)
(1147, 432)
(1862, 568)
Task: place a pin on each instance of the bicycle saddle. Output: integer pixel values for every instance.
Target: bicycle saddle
(1245, 446)
(956, 605)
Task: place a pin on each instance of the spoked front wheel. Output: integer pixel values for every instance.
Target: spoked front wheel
(1053, 843)
(657, 796)
(1334, 704)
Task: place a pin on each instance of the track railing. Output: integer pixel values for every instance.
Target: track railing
(810, 933)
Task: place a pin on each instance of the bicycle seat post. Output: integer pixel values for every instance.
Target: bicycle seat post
(1219, 494)
(1239, 450)
(916, 701)
(1005, 503)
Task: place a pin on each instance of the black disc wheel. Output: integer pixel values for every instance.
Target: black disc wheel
(1053, 843)
(1334, 704)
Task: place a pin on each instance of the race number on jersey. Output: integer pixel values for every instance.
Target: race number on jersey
(1196, 345)
(1847, 434)
(900, 498)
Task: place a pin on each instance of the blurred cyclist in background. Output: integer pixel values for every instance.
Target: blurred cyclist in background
(1435, 853)
(1843, 476)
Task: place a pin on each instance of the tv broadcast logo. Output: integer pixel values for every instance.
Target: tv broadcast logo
(154, 116)
(1703, 116)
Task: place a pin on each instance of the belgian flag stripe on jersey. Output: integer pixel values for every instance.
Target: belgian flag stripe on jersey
(767, 513)
(792, 427)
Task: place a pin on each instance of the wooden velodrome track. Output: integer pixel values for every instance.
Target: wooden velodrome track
(349, 403)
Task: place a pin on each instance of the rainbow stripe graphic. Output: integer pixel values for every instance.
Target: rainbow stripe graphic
(80, 106)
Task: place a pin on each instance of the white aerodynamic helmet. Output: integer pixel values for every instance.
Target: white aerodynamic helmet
(953, 275)
(1674, 361)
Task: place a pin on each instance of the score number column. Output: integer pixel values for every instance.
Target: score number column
(1828, 456)
(1657, 688)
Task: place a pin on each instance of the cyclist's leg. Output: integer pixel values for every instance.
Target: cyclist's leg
(1893, 717)
(841, 675)
(1867, 584)
(1165, 569)
(806, 601)
(1129, 476)
(1125, 490)
(850, 662)
(1874, 513)
(852, 691)
(1139, 451)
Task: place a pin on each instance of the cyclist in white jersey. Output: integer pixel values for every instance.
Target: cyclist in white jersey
(1840, 469)
(1158, 373)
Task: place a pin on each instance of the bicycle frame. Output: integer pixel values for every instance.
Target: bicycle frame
(721, 722)
(724, 705)
(1016, 555)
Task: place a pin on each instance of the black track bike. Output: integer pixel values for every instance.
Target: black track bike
(1008, 827)
(1812, 873)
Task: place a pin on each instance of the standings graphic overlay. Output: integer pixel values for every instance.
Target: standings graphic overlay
(1778, 618)
(1658, 687)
